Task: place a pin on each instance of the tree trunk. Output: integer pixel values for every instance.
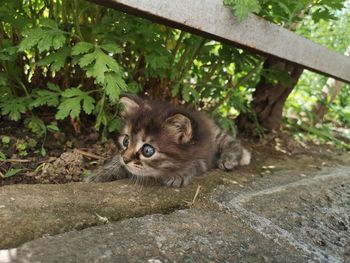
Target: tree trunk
(269, 99)
(329, 93)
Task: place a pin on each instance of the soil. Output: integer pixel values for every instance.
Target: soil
(70, 155)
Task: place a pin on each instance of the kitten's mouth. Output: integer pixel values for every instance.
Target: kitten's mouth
(134, 170)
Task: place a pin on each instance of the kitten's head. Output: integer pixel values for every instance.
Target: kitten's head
(156, 138)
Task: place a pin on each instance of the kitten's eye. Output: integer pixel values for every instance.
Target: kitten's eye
(126, 141)
(148, 150)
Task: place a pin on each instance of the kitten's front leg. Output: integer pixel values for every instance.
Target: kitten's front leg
(231, 152)
(177, 180)
(111, 171)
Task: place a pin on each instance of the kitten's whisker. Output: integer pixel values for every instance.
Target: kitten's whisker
(139, 185)
(112, 166)
(142, 181)
(133, 179)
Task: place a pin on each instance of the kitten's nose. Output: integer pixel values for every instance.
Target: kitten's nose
(127, 159)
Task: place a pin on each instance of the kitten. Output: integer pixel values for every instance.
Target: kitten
(170, 144)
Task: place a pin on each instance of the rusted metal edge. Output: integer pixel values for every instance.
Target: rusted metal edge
(211, 19)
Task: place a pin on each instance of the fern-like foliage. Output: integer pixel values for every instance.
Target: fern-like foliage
(242, 8)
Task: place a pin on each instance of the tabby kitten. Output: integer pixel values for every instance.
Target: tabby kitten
(170, 144)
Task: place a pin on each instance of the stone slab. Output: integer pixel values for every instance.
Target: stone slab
(311, 214)
(193, 235)
(28, 212)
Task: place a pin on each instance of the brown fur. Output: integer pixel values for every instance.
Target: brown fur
(186, 144)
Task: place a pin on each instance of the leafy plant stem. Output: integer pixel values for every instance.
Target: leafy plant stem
(239, 83)
(2, 34)
(176, 49)
(64, 11)
(76, 20)
(23, 87)
(183, 58)
(194, 54)
(93, 91)
(44, 140)
(57, 11)
(248, 75)
(50, 6)
(211, 72)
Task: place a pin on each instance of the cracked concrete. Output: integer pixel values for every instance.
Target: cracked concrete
(289, 215)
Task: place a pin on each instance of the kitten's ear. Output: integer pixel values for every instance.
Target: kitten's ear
(131, 104)
(181, 127)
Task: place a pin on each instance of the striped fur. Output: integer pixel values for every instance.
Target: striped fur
(186, 144)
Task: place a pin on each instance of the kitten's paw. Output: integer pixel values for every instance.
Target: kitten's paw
(245, 158)
(176, 181)
(228, 161)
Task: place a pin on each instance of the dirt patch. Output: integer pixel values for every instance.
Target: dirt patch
(60, 157)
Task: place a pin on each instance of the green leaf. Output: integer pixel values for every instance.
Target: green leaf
(86, 60)
(111, 87)
(32, 143)
(55, 60)
(134, 87)
(69, 107)
(71, 104)
(5, 139)
(242, 8)
(9, 14)
(32, 38)
(103, 64)
(157, 62)
(8, 53)
(3, 79)
(42, 38)
(195, 95)
(114, 124)
(82, 48)
(53, 87)
(114, 85)
(87, 173)
(45, 43)
(186, 93)
(14, 107)
(101, 115)
(46, 22)
(97, 64)
(72, 92)
(277, 75)
(46, 97)
(43, 151)
(112, 48)
(2, 156)
(322, 13)
(35, 124)
(53, 127)
(175, 89)
(12, 172)
(88, 104)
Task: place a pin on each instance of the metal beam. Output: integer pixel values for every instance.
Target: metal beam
(211, 19)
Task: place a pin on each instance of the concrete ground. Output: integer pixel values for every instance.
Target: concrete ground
(283, 213)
